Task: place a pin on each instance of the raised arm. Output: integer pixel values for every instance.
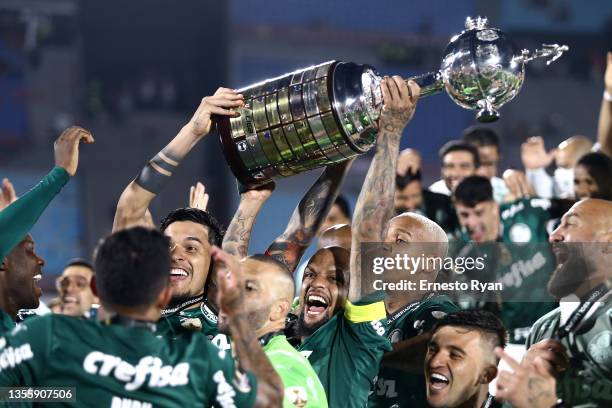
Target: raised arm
(135, 199)
(238, 234)
(375, 203)
(604, 128)
(21, 215)
(308, 216)
(251, 356)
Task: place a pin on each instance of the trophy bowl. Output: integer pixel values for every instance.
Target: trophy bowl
(479, 71)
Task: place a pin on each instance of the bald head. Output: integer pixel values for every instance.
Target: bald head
(269, 292)
(273, 275)
(415, 228)
(337, 236)
(571, 150)
(595, 216)
(582, 261)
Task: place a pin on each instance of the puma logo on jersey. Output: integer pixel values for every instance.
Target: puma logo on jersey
(118, 402)
(98, 363)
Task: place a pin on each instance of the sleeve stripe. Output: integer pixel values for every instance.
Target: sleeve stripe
(364, 313)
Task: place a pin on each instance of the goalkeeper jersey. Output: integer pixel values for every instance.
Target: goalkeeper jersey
(118, 365)
(345, 352)
(302, 386)
(588, 381)
(399, 388)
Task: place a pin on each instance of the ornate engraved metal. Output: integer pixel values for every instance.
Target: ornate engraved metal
(329, 113)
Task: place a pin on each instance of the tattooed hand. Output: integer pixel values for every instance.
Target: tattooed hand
(224, 102)
(400, 101)
(529, 386)
(259, 193)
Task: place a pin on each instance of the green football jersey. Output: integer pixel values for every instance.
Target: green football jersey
(588, 381)
(397, 388)
(116, 365)
(302, 386)
(6, 323)
(345, 352)
(200, 319)
(523, 265)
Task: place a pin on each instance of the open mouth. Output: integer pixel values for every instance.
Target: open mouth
(36, 278)
(561, 253)
(70, 300)
(316, 305)
(438, 381)
(476, 233)
(178, 274)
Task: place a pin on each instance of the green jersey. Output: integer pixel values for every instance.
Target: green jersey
(345, 352)
(6, 323)
(302, 386)
(200, 319)
(398, 388)
(20, 216)
(588, 381)
(122, 365)
(523, 264)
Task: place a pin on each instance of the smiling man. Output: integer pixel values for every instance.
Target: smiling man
(20, 266)
(459, 160)
(520, 222)
(460, 361)
(576, 344)
(269, 291)
(22, 270)
(74, 287)
(191, 231)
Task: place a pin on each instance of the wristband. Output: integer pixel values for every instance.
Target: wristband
(607, 96)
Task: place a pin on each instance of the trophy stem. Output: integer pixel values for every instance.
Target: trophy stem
(431, 83)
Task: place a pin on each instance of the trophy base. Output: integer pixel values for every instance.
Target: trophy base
(236, 165)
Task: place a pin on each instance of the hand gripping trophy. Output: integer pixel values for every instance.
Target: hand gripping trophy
(329, 112)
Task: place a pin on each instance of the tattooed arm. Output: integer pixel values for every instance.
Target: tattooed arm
(238, 234)
(135, 199)
(375, 203)
(251, 356)
(308, 216)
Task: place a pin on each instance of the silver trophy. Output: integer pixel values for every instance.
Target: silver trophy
(329, 113)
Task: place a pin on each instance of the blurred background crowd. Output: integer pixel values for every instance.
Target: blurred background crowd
(134, 72)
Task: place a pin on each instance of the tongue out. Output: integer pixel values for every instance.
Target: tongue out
(316, 309)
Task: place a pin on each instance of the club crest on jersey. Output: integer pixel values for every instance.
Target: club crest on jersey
(395, 336)
(208, 313)
(520, 232)
(191, 323)
(600, 348)
(438, 314)
(297, 396)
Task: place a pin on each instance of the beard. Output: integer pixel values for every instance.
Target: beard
(304, 329)
(574, 270)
